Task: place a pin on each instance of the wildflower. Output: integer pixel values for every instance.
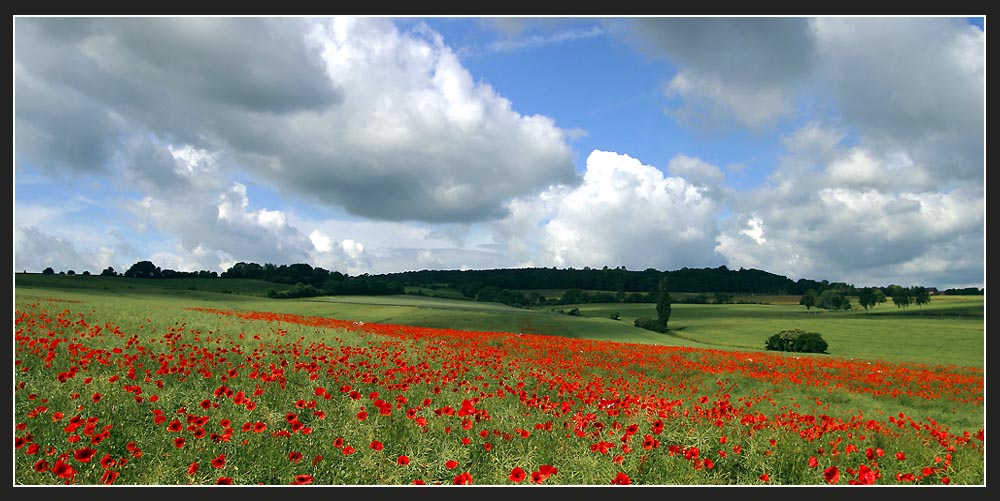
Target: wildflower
(303, 479)
(451, 463)
(403, 460)
(621, 479)
(219, 461)
(517, 474)
(832, 475)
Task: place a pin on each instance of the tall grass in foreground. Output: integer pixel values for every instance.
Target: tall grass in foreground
(175, 396)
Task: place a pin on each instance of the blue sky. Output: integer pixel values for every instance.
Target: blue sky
(845, 149)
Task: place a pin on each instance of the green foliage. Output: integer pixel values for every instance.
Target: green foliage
(832, 299)
(663, 303)
(651, 324)
(796, 340)
(808, 299)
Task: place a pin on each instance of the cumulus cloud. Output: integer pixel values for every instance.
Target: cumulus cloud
(347, 112)
(910, 85)
(623, 213)
(744, 69)
(858, 216)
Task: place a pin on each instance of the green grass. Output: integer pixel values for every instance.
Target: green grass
(948, 330)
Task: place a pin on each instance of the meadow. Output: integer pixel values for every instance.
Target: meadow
(206, 382)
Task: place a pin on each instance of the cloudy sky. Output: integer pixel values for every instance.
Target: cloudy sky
(834, 148)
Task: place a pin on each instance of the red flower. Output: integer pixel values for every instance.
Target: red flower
(463, 479)
(338, 442)
(517, 474)
(764, 478)
(43, 465)
(451, 463)
(945, 480)
(259, 427)
(621, 479)
(192, 469)
(403, 460)
(109, 477)
(179, 442)
(294, 456)
(347, 450)
(84, 455)
(219, 461)
(303, 479)
(709, 463)
(224, 481)
(63, 469)
(813, 462)
(174, 426)
(900, 456)
(97, 397)
(832, 475)
(362, 415)
(317, 459)
(376, 445)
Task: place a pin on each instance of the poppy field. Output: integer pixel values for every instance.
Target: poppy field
(107, 393)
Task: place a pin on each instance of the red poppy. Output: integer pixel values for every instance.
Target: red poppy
(451, 463)
(347, 450)
(179, 442)
(259, 427)
(709, 463)
(463, 479)
(832, 475)
(517, 474)
(109, 477)
(813, 462)
(192, 468)
(945, 480)
(764, 478)
(43, 465)
(224, 481)
(219, 461)
(63, 469)
(175, 426)
(84, 455)
(621, 479)
(338, 442)
(362, 415)
(537, 477)
(403, 460)
(376, 445)
(294, 456)
(900, 456)
(303, 479)
(317, 459)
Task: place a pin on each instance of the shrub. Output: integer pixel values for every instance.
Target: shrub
(796, 340)
(651, 324)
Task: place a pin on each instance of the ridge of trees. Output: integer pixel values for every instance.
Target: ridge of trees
(518, 286)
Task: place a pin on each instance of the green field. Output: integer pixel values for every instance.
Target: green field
(949, 331)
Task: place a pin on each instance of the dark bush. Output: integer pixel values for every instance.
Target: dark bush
(796, 340)
(651, 324)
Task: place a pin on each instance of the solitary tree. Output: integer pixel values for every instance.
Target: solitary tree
(663, 303)
(48, 271)
(869, 297)
(808, 299)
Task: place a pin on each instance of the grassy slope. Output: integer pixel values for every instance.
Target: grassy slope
(950, 330)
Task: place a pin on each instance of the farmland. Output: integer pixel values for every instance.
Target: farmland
(145, 382)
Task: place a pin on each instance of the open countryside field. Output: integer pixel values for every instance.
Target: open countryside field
(206, 381)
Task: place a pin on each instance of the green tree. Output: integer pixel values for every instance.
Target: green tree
(901, 297)
(663, 303)
(921, 295)
(48, 271)
(808, 299)
(869, 297)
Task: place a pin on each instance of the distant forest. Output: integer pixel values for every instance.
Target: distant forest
(521, 286)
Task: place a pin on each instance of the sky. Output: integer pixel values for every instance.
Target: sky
(848, 149)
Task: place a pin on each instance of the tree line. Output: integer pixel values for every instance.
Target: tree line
(519, 286)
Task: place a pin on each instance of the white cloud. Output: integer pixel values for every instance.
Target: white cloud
(347, 112)
(624, 213)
